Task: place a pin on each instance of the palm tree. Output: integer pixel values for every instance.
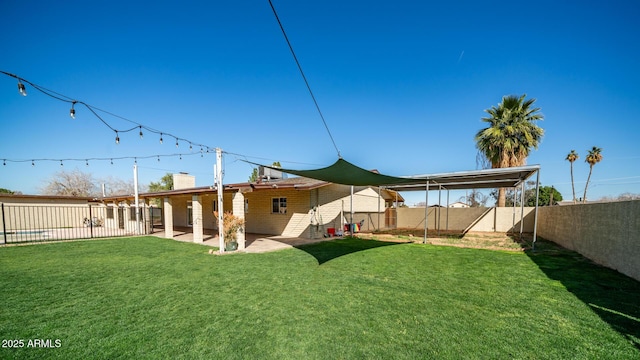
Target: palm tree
(571, 157)
(511, 134)
(592, 158)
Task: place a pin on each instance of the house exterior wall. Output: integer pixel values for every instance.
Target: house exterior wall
(311, 212)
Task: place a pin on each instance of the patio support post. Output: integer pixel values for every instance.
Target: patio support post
(237, 207)
(220, 192)
(198, 226)
(168, 218)
(378, 225)
(351, 226)
(535, 215)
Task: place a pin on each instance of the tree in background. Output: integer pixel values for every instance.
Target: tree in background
(546, 193)
(571, 157)
(165, 183)
(71, 183)
(593, 157)
(475, 199)
(10, 192)
(511, 134)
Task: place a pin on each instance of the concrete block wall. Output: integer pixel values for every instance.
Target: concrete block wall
(606, 233)
(471, 219)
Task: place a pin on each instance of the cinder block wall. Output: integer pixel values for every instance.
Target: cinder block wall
(606, 233)
(476, 219)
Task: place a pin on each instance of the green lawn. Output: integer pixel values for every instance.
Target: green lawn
(155, 298)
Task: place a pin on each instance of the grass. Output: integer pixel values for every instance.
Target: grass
(148, 297)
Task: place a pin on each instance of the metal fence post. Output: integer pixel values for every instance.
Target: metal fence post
(4, 226)
(90, 222)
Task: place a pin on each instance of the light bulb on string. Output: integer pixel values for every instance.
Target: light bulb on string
(72, 112)
(21, 89)
(117, 138)
(180, 156)
(141, 136)
(177, 143)
(4, 162)
(190, 146)
(61, 164)
(111, 161)
(160, 138)
(201, 150)
(135, 161)
(86, 162)
(158, 158)
(33, 163)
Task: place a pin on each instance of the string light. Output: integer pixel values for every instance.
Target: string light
(21, 89)
(94, 110)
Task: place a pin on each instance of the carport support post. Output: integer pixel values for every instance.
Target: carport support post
(426, 212)
(535, 216)
(447, 226)
(168, 218)
(135, 192)
(521, 209)
(196, 209)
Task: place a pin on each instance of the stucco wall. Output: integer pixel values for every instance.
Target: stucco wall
(607, 233)
(471, 219)
(311, 212)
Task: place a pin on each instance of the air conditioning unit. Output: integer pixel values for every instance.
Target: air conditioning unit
(268, 174)
(283, 210)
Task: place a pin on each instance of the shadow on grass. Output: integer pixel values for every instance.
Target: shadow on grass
(329, 250)
(611, 295)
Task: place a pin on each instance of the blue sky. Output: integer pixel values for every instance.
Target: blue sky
(402, 85)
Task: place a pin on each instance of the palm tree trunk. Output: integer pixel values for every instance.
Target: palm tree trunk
(584, 197)
(573, 187)
(502, 197)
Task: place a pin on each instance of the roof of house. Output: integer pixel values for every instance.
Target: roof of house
(296, 183)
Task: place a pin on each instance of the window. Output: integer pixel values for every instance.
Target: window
(189, 213)
(110, 212)
(279, 205)
(132, 213)
(214, 205)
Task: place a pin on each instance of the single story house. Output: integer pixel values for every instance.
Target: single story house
(293, 207)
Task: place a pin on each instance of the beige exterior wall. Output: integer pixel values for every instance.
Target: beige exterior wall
(311, 212)
(607, 233)
(469, 219)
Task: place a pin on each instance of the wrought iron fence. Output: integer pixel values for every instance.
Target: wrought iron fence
(40, 223)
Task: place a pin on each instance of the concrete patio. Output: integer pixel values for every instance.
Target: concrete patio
(255, 243)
